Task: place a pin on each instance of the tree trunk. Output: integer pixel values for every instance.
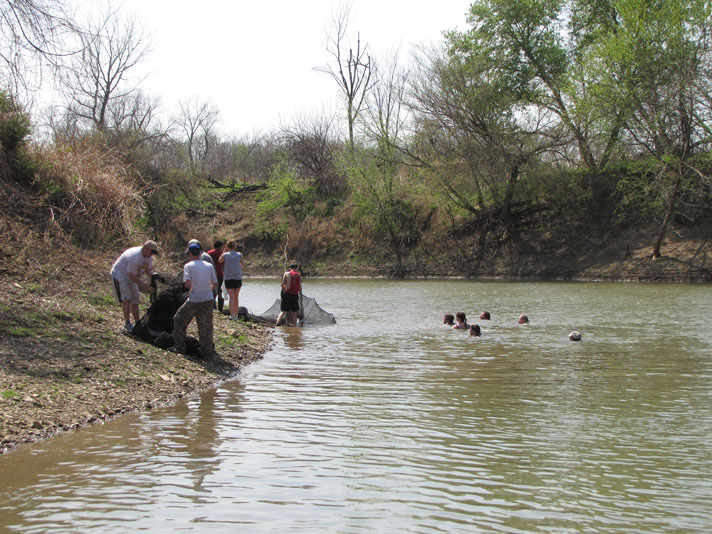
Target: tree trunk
(506, 210)
(672, 204)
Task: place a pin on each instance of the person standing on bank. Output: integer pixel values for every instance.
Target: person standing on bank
(215, 254)
(126, 274)
(290, 295)
(233, 263)
(200, 279)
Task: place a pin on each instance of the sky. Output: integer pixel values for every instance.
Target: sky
(255, 59)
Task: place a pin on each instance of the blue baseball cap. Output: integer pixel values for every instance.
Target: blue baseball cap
(195, 248)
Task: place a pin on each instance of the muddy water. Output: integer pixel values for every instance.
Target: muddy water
(389, 422)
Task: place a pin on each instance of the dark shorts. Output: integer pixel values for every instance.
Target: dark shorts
(233, 284)
(289, 302)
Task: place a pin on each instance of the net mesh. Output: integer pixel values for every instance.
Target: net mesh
(310, 313)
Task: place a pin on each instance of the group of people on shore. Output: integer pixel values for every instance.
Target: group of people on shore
(203, 275)
(459, 322)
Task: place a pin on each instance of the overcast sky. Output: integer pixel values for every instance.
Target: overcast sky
(255, 59)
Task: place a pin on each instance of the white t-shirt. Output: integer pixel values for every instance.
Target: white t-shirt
(201, 275)
(131, 261)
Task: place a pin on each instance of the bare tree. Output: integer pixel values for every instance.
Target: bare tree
(312, 145)
(197, 120)
(100, 85)
(351, 68)
(386, 114)
(32, 32)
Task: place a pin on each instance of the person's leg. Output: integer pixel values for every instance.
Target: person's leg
(221, 300)
(237, 300)
(135, 300)
(126, 307)
(233, 301)
(204, 320)
(181, 320)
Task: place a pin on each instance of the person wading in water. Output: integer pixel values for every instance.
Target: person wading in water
(290, 295)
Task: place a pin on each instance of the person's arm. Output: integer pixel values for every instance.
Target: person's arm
(213, 279)
(136, 279)
(187, 282)
(221, 259)
(286, 278)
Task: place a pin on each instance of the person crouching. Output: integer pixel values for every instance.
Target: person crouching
(200, 280)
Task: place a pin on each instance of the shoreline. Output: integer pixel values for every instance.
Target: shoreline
(66, 362)
(55, 392)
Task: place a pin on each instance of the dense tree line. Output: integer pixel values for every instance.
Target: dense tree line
(482, 127)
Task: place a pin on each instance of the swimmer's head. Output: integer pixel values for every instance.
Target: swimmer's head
(523, 319)
(575, 336)
(475, 330)
(485, 316)
(461, 317)
(449, 318)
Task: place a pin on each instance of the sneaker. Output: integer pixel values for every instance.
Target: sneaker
(128, 327)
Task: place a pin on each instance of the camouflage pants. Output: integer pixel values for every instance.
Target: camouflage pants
(203, 313)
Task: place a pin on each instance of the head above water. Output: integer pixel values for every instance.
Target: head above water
(523, 319)
(575, 336)
(485, 316)
(475, 330)
(461, 317)
(449, 319)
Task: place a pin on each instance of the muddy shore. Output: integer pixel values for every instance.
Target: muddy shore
(66, 362)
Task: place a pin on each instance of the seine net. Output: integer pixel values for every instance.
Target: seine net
(310, 313)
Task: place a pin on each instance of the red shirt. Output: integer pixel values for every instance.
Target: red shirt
(295, 283)
(215, 255)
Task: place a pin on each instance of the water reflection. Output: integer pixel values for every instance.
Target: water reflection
(292, 337)
(406, 426)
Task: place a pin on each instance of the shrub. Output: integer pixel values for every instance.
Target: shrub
(15, 128)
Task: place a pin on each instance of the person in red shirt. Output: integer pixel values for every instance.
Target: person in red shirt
(291, 291)
(215, 254)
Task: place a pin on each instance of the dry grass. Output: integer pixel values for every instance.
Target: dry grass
(88, 194)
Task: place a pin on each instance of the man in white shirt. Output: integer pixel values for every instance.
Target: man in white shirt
(200, 279)
(126, 275)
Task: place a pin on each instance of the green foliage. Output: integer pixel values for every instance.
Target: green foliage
(331, 204)
(9, 394)
(285, 190)
(15, 128)
(268, 230)
(22, 331)
(634, 197)
(14, 125)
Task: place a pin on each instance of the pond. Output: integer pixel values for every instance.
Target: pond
(390, 422)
